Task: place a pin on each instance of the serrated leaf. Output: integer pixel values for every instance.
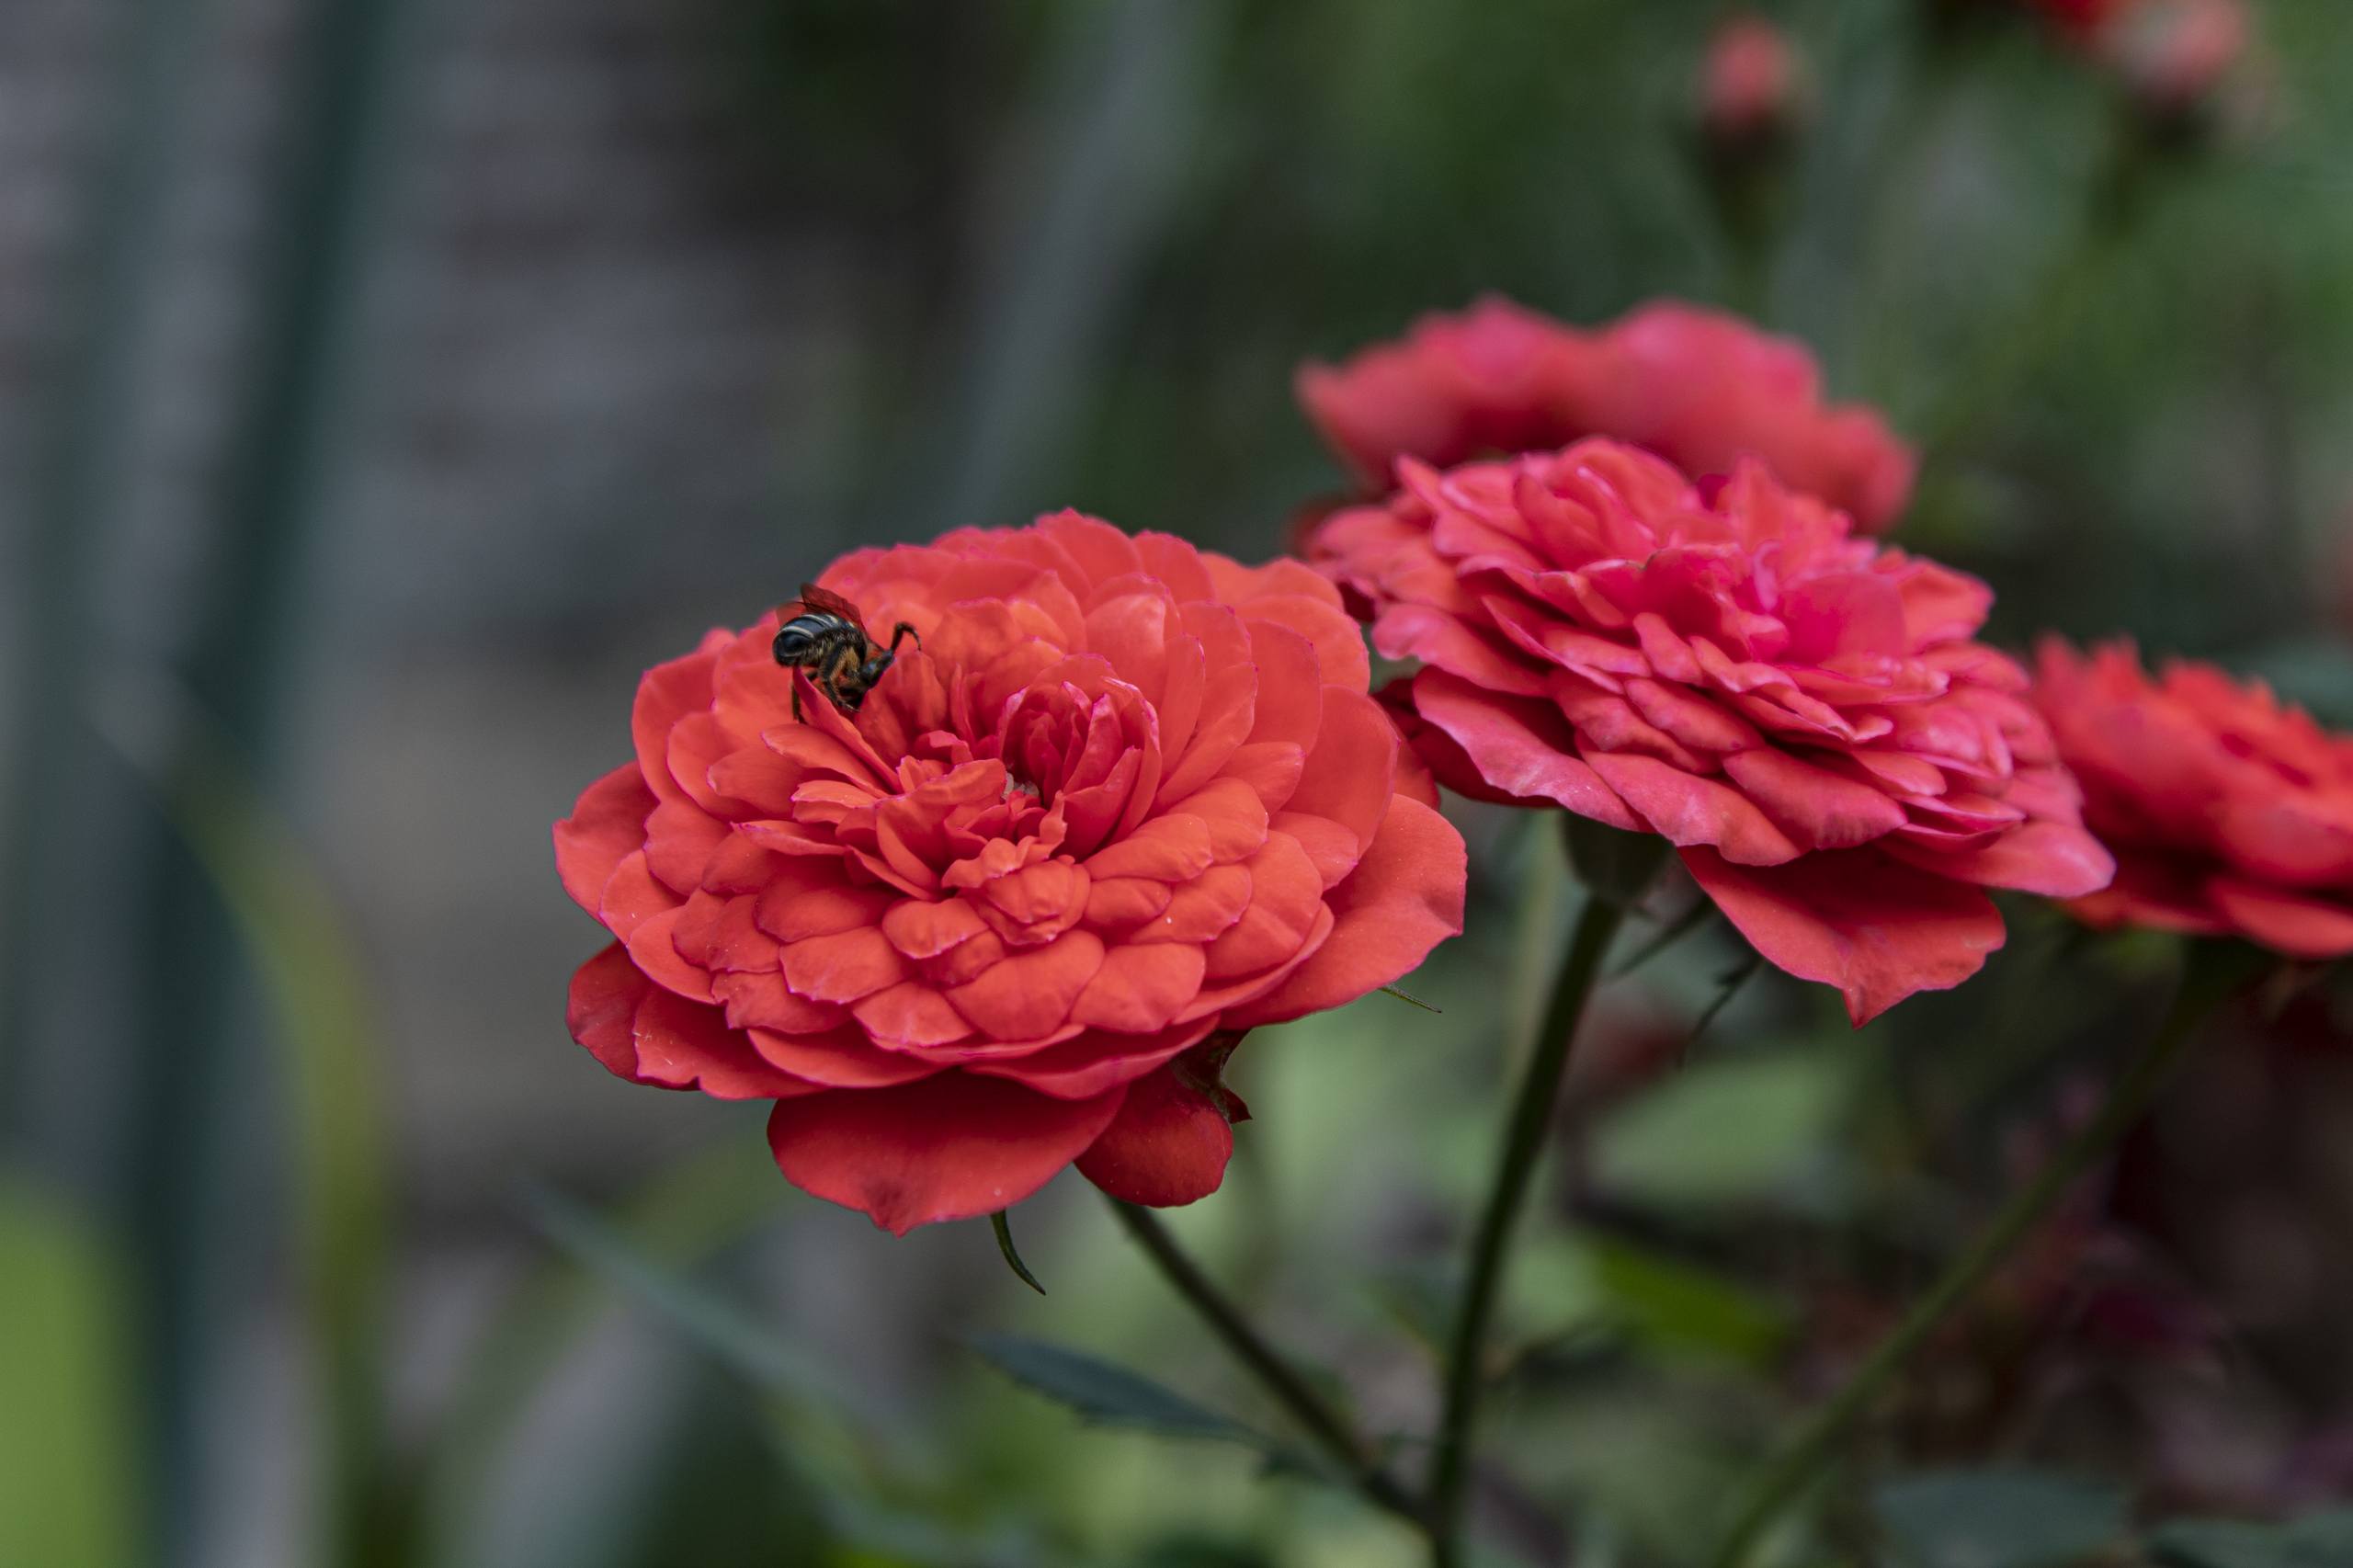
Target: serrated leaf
(2320, 1541)
(1999, 1519)
(1105, 1394)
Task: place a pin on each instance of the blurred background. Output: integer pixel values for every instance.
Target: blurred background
(384, 385)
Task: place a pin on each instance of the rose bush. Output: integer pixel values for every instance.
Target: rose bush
(1805, 714)
(2229, 812)
(1697, 387)
(1126, 800)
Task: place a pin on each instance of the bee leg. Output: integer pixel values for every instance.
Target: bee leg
(903, 630)
(796, 703)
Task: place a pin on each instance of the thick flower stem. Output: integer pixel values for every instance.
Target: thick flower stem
(2213, 970)
(1524, 1139)
(1313, 1415)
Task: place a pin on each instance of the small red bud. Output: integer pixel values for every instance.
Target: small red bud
(1752, 85)
(2173, 55)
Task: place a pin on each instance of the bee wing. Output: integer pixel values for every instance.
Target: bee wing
(829, 603)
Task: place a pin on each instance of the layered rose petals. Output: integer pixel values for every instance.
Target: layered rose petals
(1803, 713)
(2229, 812)
(1123, 803)
(1699, 388)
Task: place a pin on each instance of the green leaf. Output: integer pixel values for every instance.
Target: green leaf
(1999, 1519)
(69, 1463)
(1671, 1303)
(720, 1326)
(2320, 1540)
(682, 1215)
(1106, 1394)
(1727, 1132)
(301, 944)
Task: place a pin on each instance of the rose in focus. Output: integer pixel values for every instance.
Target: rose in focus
(1805, 714)
(2229, 812)
(1699, 388)
(1126, 800)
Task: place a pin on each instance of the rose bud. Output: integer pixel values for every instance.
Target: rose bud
(2174, 56)
(1700, 388)
(1115, 802)
(2229, 812)
(1751, 88)
(1806, 715)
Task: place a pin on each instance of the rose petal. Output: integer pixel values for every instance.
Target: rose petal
(1523, 749)
(1818, 808)
(843, 967)
(604, 828)
(949, 1147)
(2048, 858)
(1688, 809)
(680, 1045)
(1403, 899)
(1029, 994)
(1140, 989)
(2295, 924)
(603, 1007)
(1874, 928)
(840, 1059)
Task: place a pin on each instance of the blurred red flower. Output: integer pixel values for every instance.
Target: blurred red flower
(1699, 388)
(1128, 799)
(2174, 54)
(2228, 811)
(1804, 713)
(2080, 20)
(1750, 83)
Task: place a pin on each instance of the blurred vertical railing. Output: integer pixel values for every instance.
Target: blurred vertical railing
(1111, 135)
(194, 1085)
(88, 458)
(110, 291)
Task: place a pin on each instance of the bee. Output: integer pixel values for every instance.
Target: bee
(826, 636)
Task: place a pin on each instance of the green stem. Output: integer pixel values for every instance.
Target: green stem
(1531, 1115)
(1315, 1416)
(2213, 970)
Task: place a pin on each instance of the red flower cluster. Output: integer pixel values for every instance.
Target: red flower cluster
(1699, 388)
(1804, 713)
(1126, 800)
(2229, 812)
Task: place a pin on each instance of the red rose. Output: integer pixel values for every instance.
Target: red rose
(1125, 802)
(1699, 388)
(2228, 811)
(1802, 713)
